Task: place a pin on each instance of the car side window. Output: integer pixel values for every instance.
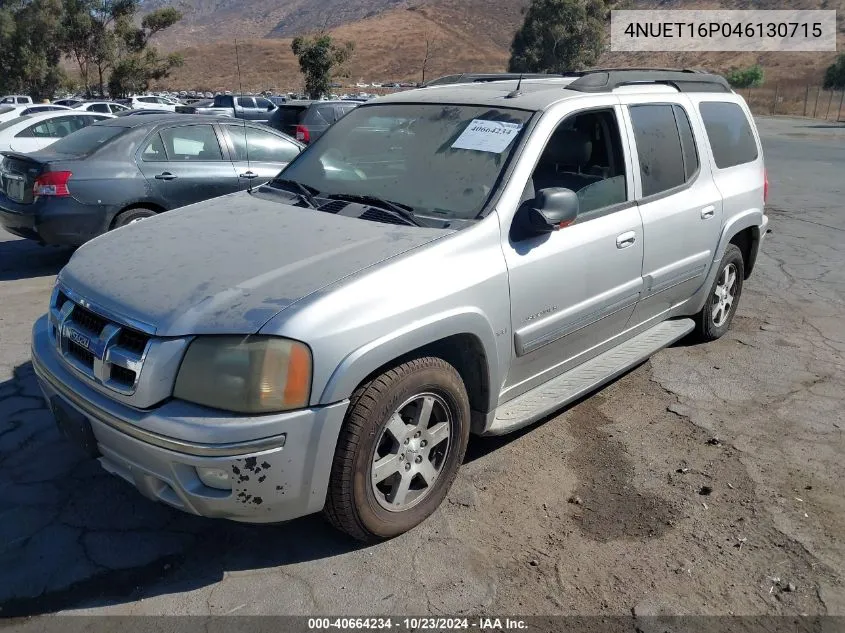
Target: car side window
(116, 108)
(154, 150)
(246, 102)
(191, 143)
(688, 148)
(659, 147)
(728, 133)
(263, 103)
(584, 154)
(261, 146)
(100, 107)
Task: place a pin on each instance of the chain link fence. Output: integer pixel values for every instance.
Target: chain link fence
(796, 100)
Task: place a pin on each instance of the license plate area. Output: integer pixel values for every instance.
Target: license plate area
(74, 426)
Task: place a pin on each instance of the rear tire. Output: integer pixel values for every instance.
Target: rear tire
(399, 450)
(718, 312)
(131, 215)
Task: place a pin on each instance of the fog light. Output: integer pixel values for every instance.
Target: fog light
(215, 478)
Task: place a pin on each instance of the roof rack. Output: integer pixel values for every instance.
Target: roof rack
(683, 80)
(462, 78)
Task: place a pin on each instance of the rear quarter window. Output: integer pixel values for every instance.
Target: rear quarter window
(729, 133)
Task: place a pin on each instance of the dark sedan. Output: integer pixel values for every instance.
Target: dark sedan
(122, 170)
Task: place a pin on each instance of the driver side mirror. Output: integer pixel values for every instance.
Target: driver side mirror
(552, 209)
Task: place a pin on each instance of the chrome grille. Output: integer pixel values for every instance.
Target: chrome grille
(102, 349)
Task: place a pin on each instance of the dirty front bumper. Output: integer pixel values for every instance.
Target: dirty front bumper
(273, 478)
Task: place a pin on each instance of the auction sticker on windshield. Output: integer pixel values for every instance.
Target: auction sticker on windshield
(487, 136)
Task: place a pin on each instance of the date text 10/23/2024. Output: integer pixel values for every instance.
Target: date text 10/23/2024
(417, 624)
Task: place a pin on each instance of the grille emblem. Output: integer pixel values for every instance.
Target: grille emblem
(79, 339)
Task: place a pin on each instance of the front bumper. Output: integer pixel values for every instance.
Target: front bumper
(274, 477)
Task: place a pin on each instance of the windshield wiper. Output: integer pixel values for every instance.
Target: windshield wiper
(306, 194)
(404, 211)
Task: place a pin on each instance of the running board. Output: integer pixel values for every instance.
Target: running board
(560, 391)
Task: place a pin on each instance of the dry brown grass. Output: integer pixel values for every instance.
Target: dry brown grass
(469, 35)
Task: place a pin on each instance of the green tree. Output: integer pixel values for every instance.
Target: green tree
(834, 76)
(750, 77)
(560, 35)
(134, 73)
(102, 35)
(318, 57)
(29, 47)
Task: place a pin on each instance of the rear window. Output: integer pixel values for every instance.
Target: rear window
(291, 115)
(729, 133)
(87, 140)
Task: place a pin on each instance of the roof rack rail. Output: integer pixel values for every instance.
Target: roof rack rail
(683, 80)
(485, 77)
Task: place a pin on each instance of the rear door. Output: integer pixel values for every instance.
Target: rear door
(258, 151)
(185, 164)
(680, 205)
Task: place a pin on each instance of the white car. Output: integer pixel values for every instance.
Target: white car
(15, 100)
(104, 107)
(9, 112)
(37, 131)
(150, 102)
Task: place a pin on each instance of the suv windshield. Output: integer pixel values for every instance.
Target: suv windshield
(440, 160)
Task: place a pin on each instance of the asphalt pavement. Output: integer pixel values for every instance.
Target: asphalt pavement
(708, 480)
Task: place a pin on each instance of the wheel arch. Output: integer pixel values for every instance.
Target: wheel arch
(466, 341)
(143, 204)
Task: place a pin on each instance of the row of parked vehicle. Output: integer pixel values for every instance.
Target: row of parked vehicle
(71, 171)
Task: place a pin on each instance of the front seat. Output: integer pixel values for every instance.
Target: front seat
(563, 161)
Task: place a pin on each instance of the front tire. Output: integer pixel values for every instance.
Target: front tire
(718, 312)
(403, 440)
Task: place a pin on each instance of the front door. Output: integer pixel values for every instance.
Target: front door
(184, 164)
(574, 289)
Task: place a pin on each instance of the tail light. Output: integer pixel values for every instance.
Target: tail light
(302, 134)
(52, 183)
(765, 186)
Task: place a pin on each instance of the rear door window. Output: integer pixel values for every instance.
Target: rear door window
(260, 146)
(100, 107)
(52, 128)
(224, 101)
(246, 102)
(729, 133)
(659, 148)
(191, 143)
(688, 147)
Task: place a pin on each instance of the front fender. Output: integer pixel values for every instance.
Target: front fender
(365, 360)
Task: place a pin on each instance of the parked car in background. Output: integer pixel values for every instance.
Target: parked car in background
(307, 120)
(9, 112)
(70, 102)
(37, 131)
(15, 100)
(137, 112)
(106, 107)
(241, 107)
(149, 102)
(197, 107)
(128, 168)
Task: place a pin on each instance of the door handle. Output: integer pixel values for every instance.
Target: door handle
(166, 176)
(626, 239)
(707, 212)
(249, 175)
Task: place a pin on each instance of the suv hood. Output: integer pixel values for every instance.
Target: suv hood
(228, 265)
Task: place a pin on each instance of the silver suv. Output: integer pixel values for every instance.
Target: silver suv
(458, 259)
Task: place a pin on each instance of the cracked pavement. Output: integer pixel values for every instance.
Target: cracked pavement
(705, 481)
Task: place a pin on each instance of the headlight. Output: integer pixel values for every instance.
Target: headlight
(246, 374)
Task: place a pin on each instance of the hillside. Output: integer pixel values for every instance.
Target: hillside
(390, 40)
